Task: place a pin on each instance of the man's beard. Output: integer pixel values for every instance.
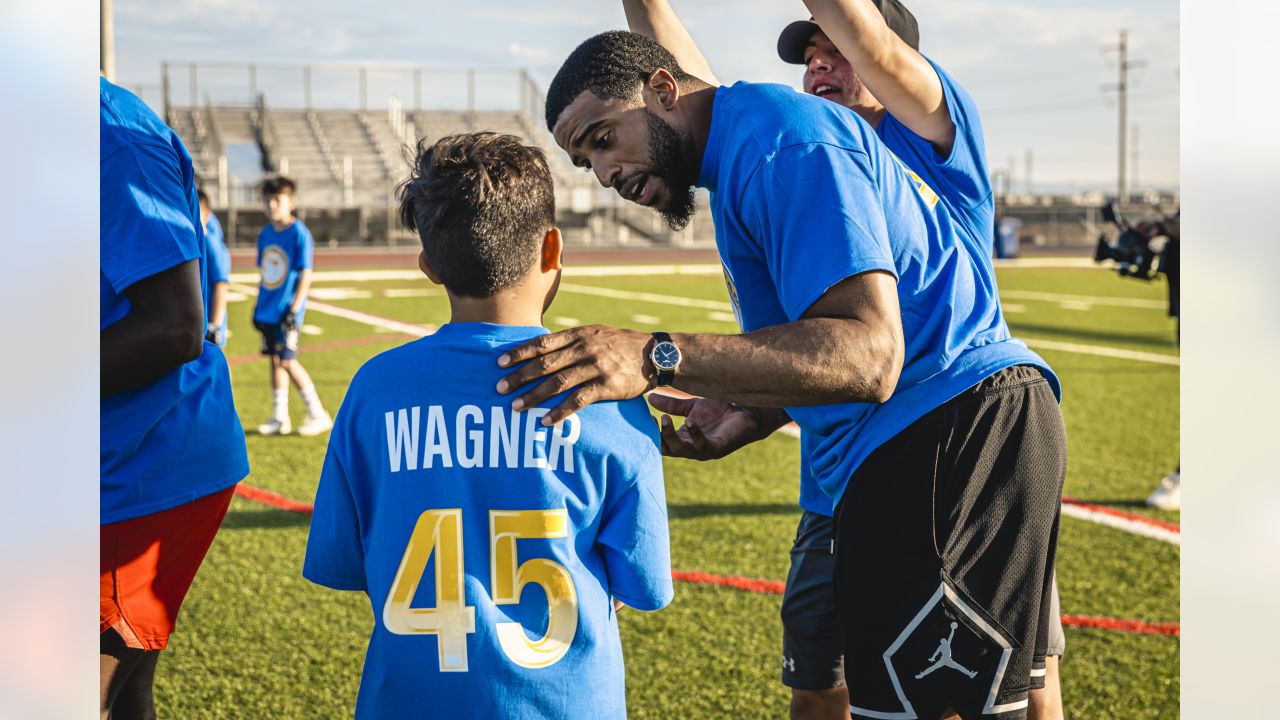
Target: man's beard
(673, 159)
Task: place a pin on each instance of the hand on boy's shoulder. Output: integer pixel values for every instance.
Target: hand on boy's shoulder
(593, 363)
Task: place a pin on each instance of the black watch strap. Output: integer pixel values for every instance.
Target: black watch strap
(664, 377)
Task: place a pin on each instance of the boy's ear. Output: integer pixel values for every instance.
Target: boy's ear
(552, 247)
(425, 267)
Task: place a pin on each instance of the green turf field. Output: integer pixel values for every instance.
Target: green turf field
(257, 641)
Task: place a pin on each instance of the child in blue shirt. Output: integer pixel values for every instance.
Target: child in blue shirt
(495, 548)
(284, 258)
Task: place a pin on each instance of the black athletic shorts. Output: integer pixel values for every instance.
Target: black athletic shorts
(945, 542)
(278, 339)
(812, 644)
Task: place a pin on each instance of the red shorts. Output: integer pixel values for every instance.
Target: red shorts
(147, 567)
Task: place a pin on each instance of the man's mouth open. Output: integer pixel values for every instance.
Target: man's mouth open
(640, 190)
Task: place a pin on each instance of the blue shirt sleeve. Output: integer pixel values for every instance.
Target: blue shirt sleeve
(306, 248)
(963, 176)
(335, 553)
(634, 537)
(815, 213)
(218, 260)
(145, 218)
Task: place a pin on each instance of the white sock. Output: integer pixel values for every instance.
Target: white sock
(312, 400)
(280, 404)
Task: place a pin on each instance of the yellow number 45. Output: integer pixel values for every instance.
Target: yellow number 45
(451, 620)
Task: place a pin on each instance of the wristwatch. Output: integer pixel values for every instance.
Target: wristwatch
(665, 357)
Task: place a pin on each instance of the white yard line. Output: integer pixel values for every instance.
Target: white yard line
(1100, 351)
(571, 271)
(374, 321)
(1131, 524)
(1134, 527)
(646, 297)
(724, 307)
(1084, 299)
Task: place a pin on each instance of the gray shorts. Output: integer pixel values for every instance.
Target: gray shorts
(812, 652)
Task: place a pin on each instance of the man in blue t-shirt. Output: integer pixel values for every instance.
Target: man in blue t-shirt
(869, 321)
(947, 150)
(217, 273)
(172, 448)
(285, 248)
(537, 532)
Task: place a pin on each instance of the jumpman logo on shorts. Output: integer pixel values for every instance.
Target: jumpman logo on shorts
(942, 658)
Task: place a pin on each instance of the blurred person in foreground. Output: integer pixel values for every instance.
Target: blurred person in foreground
(217, 274)
(539, 534)
(285, 249)
(1168, 494)
(874, 324)
(932, 124)
(172, 448)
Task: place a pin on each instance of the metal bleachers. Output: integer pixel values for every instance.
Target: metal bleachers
(348, 161)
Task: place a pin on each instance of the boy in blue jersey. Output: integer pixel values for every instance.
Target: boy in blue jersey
(941, 141)
(868, 320)
(494, 546)
(217, 274)
(284, 258)
(172, 448)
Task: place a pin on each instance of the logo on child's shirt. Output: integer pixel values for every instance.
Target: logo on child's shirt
(275, 267)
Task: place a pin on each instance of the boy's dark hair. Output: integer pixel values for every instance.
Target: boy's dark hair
(612, 65)
(279, 185)
(481, 203)
(204, 196)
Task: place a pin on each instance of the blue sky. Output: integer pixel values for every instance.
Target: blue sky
(1035, 67)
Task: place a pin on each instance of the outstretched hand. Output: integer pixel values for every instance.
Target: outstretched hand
(596, 362)
(712, 428)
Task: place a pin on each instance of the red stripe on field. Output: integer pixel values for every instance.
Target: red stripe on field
(1135, 517)
(1121, 625)
(757, 585)
(266, 497)
(764, 587)
(331, 345)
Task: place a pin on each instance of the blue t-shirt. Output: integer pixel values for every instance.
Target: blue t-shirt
(960, 178)
(282, 256)
(442, 504)
(179, 438)
(217, 266)
(803, 195)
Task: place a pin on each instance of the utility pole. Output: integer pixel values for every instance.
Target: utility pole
(107, 41)
(1026, 176)
(1122, 89)
(1137, 185)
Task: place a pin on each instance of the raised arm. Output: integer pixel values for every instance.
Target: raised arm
(900, 78)
(656, 19)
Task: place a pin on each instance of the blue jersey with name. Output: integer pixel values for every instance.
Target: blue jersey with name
(960, 179)
(803, 195)
(179, 438)
(282, 256)
(490, 546)
(217, 267)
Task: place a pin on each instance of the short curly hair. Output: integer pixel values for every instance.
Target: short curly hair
(613, 65)
(481, 203)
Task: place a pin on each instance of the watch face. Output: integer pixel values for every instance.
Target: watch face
(666, 356)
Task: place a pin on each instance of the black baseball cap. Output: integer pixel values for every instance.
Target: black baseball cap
(795, 37)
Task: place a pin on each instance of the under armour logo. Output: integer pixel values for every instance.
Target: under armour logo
(942, 658)
(788, 663)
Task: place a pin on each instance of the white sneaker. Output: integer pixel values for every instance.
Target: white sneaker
(276, 426)
(1168, 494)
(315, 424)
